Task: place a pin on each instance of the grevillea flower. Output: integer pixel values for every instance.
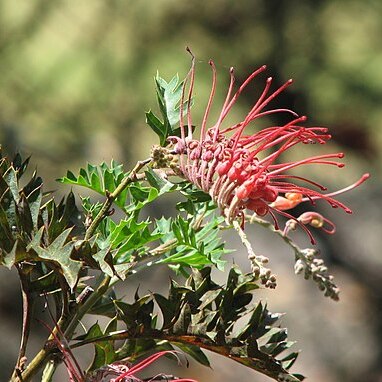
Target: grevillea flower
(242, 170)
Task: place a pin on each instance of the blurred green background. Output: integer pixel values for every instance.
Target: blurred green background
(77, 76)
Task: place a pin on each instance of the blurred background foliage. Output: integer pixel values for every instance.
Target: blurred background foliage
(76, 78)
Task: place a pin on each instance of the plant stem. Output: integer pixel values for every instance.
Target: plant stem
(131, 177)
(259, 364)
(270, 226)
(104, 284)
(49, 370)
(27, 315)
(244, 240)
(82, 310)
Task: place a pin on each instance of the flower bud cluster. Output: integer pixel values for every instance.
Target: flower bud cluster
(162, 157)
(314, 268)
(264, 274)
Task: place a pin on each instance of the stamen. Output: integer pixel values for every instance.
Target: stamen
(227, 108)
(315, 160)
(189, 98)
(181, 124)
(363, 178)
(209, 104)
(259, 106)
(277, 132)
(226, 101)
(274, 111)
(318, 185)
(289, 216)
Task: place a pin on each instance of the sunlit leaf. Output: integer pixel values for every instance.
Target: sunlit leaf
(60, 252)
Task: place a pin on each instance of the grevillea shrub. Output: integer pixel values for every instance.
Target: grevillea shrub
(72, 253)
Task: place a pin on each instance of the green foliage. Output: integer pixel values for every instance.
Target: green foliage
(103, 350)
(169, 95)
(100, 179)
(59, 251)
(203, 314)
(195, 247)
(200, 314)
(186, 241)
(34, 231)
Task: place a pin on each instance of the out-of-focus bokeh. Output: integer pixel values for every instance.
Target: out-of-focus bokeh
(77, 76)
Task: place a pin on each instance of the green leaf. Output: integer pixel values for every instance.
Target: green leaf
(138, 315)
(195, 352)
(100, 179)
(9, 259)
(130, 235)
(140, 196)
(105, 261)
(105, 305)
(289, 360)
(157, 126)
(167, 309)
(10, 178)
(195, 249)
(34, 198)
(169, 95)
(6, 235)
(59, 252)
(60, 217)
(103, 350)
(194, 194)
(161, 184)
(137, 348)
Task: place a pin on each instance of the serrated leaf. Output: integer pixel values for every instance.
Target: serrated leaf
(209, 297)
(169, 97)
(194, 194)
(10, 178)
(161, 184)
(157, 126)
(281, 347)
(194, 249)
(34, 201)
(183, 320)
(167, 309)
(9, 259)
(141, 196)
(105, 305)
(103, 350)
(195, 352)
(6, 237)
(101, 179)
(289, 360)
(105, 261)
(59, 251)
(172, 93)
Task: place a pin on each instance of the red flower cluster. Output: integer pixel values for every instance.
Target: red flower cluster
(242, 172)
